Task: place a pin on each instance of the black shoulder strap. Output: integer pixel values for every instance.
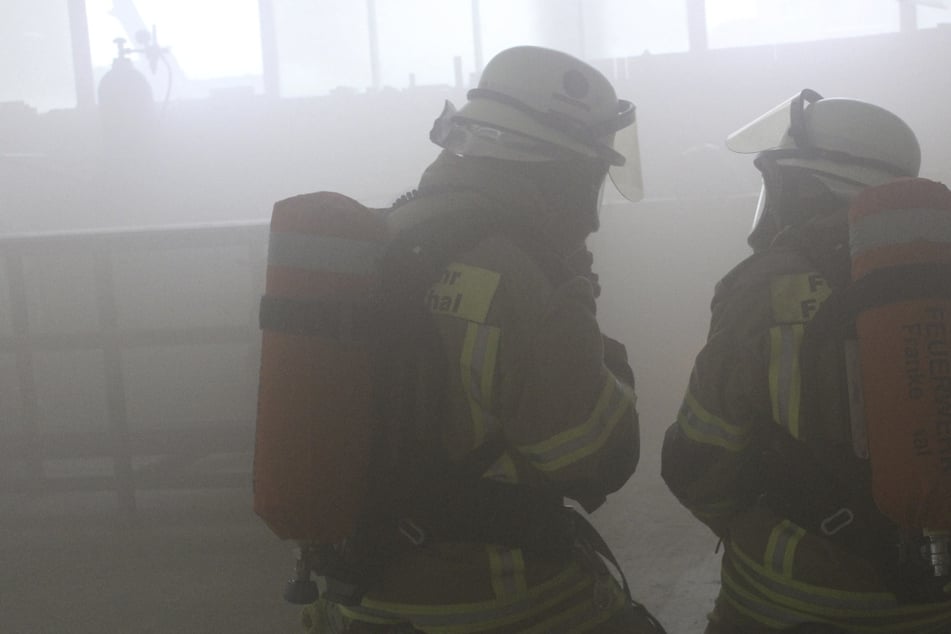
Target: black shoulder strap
(836, 316)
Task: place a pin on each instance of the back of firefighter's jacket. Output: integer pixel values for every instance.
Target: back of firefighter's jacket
(524, 363)
(759, 371)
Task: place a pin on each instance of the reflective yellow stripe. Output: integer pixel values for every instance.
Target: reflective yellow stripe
(763, 611)
(756, 607)
(806, 599)
(785, 383)
(477, 364)
(703, 427)
(574, 444)
(356, 613)
(462, 618)
(898, 226)
(508, 573)
(794, 300)
(767, 608)
(781, 548)
(814, 599)
(581, 618)
(772, 596)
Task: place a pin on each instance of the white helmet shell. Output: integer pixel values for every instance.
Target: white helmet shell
(537, 104)
(845, 138)
(847, 143)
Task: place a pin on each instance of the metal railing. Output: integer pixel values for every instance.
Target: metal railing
(128, 357)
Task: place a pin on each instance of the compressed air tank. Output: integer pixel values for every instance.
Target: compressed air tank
(315, 396)
(900, 241)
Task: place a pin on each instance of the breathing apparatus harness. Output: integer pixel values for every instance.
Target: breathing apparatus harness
(826, 489)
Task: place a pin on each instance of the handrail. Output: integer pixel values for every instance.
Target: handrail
(23, 438)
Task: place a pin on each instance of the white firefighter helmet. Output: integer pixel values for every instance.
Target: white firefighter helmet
(846, 144)
(536, 104)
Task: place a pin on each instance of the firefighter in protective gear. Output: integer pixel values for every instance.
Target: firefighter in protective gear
(526, 381)
(762, 449)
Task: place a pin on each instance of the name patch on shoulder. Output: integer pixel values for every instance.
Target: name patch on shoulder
(463, 291)
(796, 298)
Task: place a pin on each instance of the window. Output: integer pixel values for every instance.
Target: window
(551, 23)
(322, 46)
(625, 28)
(212, 44)
(326, 45)
(757, 22)
(591, 29)
(931, 16)
(420, 38)
(36, 66)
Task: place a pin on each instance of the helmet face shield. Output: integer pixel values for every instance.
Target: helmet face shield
(760, 209)
(627, 177)
(836, 136)
(779, 127)
(841, 144)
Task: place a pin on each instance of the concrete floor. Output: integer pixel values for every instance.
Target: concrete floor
(667, 555)
(192, 563)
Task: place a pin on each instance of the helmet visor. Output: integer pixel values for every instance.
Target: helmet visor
(760, 209)
(764, 132)
(774, 128)
(627, 177)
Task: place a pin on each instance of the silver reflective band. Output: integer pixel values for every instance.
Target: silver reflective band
(323, 253)
(900, 226)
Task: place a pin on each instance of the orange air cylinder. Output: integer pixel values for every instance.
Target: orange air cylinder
(314, 401)
(900, 232)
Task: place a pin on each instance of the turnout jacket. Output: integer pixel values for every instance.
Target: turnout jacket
(754, 378)
(526, 366)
